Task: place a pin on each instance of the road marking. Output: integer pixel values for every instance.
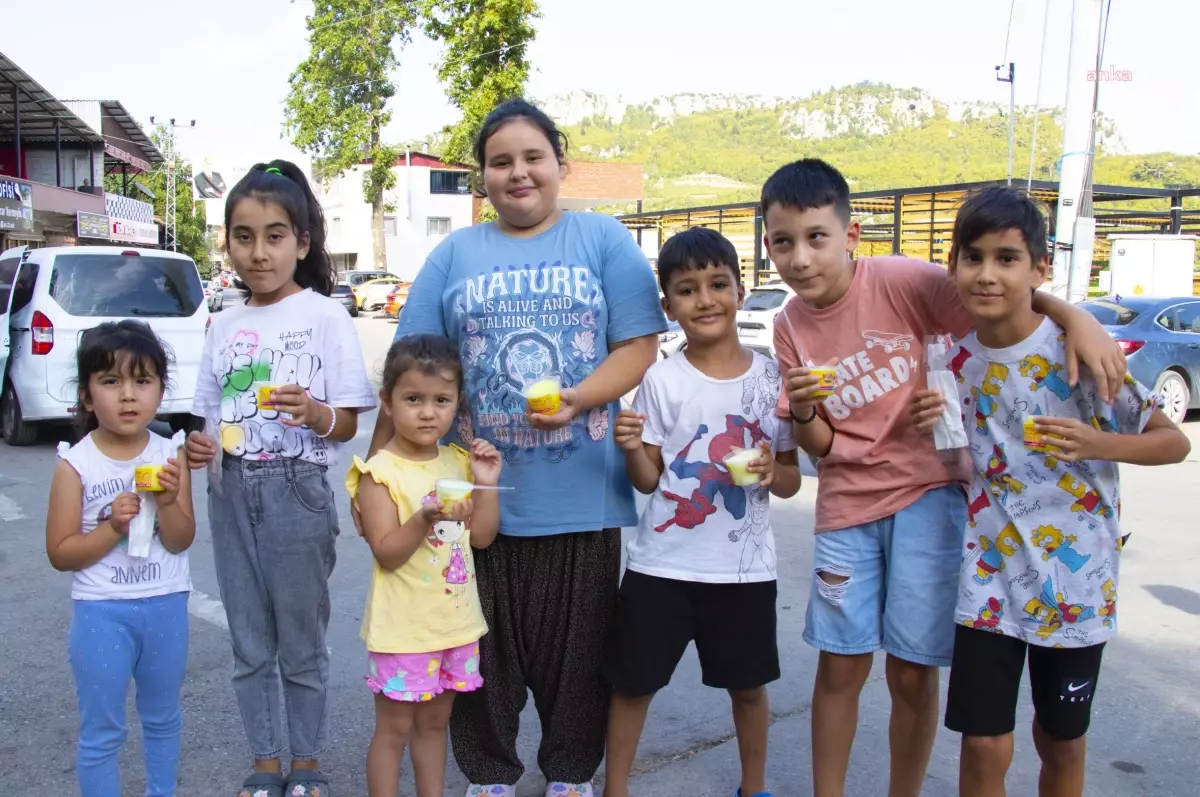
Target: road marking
(207, 609)
(10, 510)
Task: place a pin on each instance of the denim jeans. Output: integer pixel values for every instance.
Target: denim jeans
(109, 643)
(274, 528)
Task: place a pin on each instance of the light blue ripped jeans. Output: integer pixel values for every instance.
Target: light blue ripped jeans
(901, 582)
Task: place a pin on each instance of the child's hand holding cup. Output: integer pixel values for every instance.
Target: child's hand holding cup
(808, 386)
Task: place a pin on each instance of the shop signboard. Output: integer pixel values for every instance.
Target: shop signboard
(137, 232)
(16, 205)
(92, 225)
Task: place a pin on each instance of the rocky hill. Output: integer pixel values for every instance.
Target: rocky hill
(702, 149)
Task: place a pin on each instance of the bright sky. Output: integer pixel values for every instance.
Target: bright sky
(225, 63)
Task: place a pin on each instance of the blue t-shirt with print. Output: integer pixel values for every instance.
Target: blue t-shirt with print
(523, 308)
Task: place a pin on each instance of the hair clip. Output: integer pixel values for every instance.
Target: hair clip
(273, 170)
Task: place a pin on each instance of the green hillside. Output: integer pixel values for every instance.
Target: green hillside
(879, 136)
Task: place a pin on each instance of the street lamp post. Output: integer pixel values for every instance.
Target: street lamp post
(1010, 79)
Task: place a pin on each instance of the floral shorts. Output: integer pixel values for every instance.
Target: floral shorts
(417, 677)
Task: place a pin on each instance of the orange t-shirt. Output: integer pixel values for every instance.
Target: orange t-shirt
(878, 463)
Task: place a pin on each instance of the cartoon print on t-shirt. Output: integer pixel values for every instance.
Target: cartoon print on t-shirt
(714, 480)
(991, 554)
(990, 615)
(254, 432)
(1045, 374)
(986, 394)
(1056, 545)
(757, 546)
(455, 572)
(520, 325)
(1000, 481)
(1088, 502)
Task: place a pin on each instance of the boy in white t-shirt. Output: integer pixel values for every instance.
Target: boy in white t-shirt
(702, 567)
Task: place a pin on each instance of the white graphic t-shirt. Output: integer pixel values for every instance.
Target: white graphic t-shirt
(306, 339)
(119, 576)
(699, 525)
(1042, 544)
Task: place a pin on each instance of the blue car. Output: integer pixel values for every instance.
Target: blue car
(1161, 341)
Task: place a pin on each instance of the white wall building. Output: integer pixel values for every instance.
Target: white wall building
(431, 198)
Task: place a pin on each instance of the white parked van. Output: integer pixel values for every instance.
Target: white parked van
(48, 297)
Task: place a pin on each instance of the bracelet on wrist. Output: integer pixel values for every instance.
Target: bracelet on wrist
(803, 421)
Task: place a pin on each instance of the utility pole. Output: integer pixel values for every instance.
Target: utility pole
(1075, 229)
(1010, 79)
(170, 202)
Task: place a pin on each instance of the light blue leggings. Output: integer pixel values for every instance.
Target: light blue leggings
(110, 642)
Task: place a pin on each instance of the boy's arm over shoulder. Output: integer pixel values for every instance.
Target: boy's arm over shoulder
(929, 289)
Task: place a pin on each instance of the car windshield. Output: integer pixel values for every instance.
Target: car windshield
(764, 299)
(125, 285)
(1109, 313)
(341, 290)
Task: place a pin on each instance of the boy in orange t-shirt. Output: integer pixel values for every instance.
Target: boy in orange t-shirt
(890, 510)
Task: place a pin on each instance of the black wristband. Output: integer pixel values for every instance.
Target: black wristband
(809, 420)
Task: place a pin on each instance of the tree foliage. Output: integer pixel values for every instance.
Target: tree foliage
(336, 109)
(485, 59)
(190, 219)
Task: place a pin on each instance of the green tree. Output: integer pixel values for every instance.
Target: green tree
(337, 107)
(485, 60)
(191, 224)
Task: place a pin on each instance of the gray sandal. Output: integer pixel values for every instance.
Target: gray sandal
(262, 784)
(306, 783)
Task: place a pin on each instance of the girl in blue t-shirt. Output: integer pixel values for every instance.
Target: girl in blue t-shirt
(540, 293)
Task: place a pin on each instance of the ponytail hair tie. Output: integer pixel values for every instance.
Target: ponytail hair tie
(273, 170)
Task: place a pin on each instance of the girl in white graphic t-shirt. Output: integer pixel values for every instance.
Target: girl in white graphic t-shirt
(282, 380)
(127, 549)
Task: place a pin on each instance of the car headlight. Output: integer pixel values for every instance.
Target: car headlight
(667, 337)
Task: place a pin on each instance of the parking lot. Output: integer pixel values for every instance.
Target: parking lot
(1146, 725)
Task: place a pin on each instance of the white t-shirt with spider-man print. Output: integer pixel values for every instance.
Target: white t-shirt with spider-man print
(699, 525)
(1042, 546)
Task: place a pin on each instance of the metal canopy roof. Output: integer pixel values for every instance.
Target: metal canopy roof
(866, 203)
(39, 110)
(133, 132)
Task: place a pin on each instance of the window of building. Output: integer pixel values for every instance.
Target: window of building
(437, 226)
(442, 181)
(389, 225)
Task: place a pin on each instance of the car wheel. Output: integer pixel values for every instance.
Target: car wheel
(1173, 390)
(16, 431)
(185, 423)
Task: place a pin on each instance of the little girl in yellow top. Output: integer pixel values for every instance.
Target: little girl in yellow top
(423, 621)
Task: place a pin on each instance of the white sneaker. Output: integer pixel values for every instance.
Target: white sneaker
(557, 789)
(475, 790)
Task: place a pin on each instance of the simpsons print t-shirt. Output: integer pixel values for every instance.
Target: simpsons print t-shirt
(699, 525)
(305, 339)
(521, 309)
(1042, 543)
(879, 464)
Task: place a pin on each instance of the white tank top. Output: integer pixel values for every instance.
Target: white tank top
(119, 576)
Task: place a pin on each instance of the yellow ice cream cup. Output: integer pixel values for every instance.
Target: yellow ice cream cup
(1038, 441)
(264, 394)
(738, 464)
(544, 396)
(452, 492)
(827, 374)
(145, 478)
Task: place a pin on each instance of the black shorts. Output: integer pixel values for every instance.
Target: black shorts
(733, 626)
(985, 677)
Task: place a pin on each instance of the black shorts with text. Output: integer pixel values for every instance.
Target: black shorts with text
(985, 679)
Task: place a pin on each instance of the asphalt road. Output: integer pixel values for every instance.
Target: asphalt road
(1144, 731)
